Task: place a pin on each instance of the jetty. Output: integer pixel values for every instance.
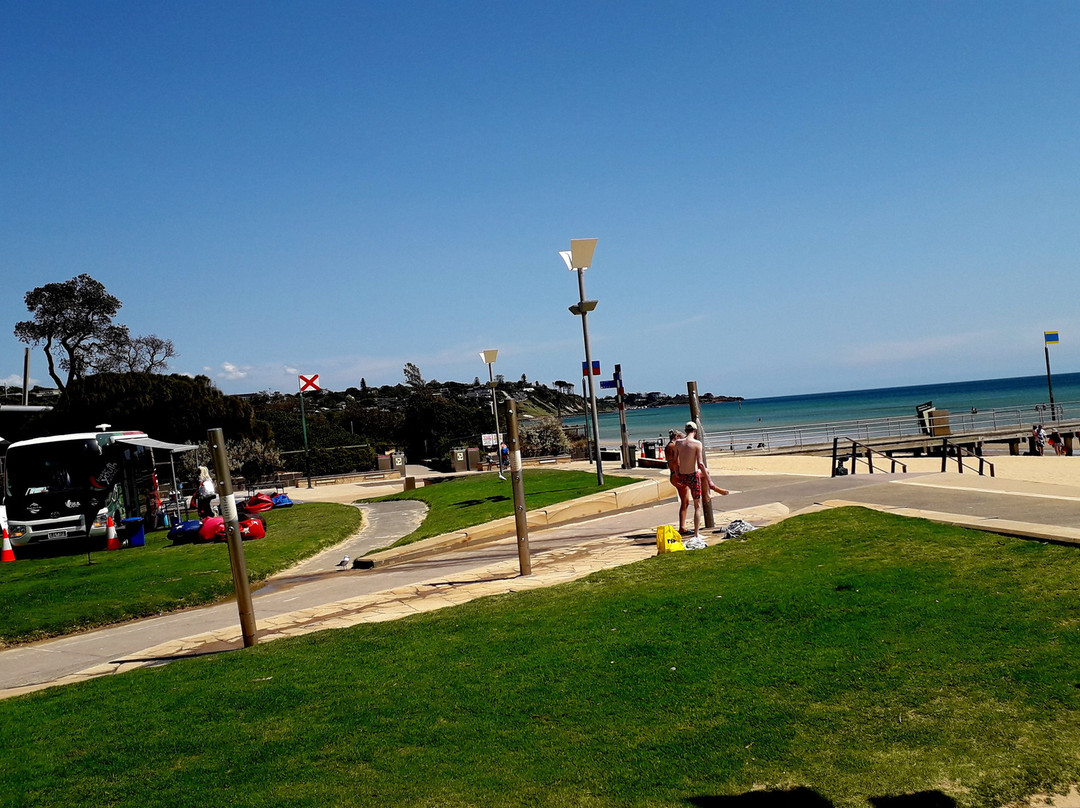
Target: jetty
(928, 431)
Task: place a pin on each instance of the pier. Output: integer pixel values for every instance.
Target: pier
(1007, 427)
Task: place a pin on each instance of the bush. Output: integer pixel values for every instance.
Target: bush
(544, 436)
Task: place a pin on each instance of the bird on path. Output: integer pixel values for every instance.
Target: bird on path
(344, 563)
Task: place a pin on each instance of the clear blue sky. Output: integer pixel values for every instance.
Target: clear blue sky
(789, 197)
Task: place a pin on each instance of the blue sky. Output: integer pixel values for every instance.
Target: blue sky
(789, 197)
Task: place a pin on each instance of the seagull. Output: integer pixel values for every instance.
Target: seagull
(344, 563)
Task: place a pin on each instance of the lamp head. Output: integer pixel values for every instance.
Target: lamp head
(489, 356)
(581, 252)
(583, 307)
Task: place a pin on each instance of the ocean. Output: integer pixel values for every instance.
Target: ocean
(1026, 394)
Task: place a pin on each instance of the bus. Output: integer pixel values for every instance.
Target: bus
(66, 487)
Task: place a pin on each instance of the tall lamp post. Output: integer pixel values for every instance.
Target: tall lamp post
(577, 259)
(489, 360)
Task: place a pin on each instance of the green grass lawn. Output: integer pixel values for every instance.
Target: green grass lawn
(474, 500)
(845, 657)
(45, 597)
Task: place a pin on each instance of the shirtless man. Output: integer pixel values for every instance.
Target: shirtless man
(687, 473)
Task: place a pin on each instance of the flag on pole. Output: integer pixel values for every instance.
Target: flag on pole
(1051, 337)
(595, 368)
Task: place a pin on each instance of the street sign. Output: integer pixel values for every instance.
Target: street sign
(607, 384)
(309, 383)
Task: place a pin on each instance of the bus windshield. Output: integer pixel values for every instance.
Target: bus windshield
(54, 468)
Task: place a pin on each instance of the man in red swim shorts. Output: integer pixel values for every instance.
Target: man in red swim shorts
(689, 462)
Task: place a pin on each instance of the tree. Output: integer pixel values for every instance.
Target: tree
(70, 317)
(173, 408)
(122, 353)
(413, 377)
(75, 318)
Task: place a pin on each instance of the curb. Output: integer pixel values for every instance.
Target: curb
(630, 496)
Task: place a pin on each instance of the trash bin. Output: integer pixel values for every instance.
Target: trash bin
(633, 457)
(460, 458)
(134, 531)
(473, 459)
(386, 462)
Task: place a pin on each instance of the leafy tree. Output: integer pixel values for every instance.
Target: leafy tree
(69, 317)
(413, 377)
(122, 353)
(252, 459)
(173, 408)
(75, 319)
(433, 426)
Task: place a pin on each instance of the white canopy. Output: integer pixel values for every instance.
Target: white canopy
(159, 444)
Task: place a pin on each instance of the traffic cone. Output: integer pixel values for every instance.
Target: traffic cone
(8, 554)
(111, 540)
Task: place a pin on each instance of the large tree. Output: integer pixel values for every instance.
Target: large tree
(172, 408)
(74, 319)
(69, 317)
(120, 352)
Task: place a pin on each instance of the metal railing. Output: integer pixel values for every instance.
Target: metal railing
(958, 452)
(864, 429)
(838, 460)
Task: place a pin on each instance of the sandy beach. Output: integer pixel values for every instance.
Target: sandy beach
(1049, 469)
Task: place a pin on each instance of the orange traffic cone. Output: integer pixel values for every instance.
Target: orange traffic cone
(111, 540)
(8, 554)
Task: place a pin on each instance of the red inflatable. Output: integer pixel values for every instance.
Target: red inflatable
(257, 503)
(213, 529)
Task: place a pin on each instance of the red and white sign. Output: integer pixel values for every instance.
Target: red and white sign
(309, 383)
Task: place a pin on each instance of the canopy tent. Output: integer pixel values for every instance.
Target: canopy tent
(160, 444)
(171, 448)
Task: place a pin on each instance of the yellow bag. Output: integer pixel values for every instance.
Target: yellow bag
(668, 540)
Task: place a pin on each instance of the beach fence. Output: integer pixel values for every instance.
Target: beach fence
(901, 426)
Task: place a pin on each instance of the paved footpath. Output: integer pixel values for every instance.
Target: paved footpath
(315, 595)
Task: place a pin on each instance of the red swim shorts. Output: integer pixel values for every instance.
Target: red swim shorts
(691, 481)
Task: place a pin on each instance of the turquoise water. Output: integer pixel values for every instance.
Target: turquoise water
(1026, 393)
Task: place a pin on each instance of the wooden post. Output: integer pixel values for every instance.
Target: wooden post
(232, 536)
(521, 521)
(695, 416)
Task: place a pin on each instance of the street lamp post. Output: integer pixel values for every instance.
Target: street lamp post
(489, 360)
(577, 259)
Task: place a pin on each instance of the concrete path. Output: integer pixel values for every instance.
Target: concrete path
(316, 595)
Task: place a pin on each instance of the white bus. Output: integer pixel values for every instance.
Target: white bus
(67, 486)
